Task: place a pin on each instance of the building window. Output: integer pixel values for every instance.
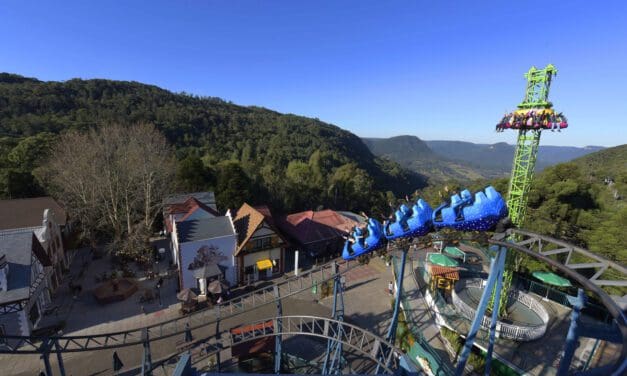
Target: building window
(249, 270)
(262, 243)
(266, 242)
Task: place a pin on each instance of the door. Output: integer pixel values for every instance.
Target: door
(202, 285)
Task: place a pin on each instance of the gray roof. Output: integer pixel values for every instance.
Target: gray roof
(205, 228)
(17, 247)
(207, 198)
(207, 271)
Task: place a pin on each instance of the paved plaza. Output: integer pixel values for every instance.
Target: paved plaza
(367, 304)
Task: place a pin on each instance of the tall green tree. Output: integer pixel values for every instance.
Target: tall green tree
(193, 176)
(233, 186)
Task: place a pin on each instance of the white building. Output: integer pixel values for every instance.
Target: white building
(203, 250)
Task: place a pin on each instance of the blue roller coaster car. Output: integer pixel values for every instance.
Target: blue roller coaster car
(410, 222)
(464, 213)
(360, 244)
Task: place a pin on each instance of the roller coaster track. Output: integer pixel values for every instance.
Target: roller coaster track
(199, 319)
(538, 246)
(373, 347)
(541, 247)
(547, 246)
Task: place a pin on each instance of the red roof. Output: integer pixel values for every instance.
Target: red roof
(188, 207)
(310, 226)
(267, 214)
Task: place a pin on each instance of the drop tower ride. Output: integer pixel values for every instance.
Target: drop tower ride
(533, 115)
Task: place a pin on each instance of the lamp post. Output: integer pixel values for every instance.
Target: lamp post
(158, 288)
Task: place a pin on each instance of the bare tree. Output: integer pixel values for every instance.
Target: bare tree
(113, 179)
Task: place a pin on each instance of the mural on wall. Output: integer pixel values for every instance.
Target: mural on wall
(207, 255)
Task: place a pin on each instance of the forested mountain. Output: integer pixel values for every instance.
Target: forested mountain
(583, 201)
(464, 161)
(414, 154)
(496, 159)
(244, 153)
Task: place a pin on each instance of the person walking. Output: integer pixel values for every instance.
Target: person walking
(391, 288)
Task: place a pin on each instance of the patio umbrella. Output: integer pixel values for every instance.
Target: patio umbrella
(552, 279)
(442, 260)
(217, 287)
(186, 295)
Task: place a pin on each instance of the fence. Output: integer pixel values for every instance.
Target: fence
(505, 330)
(591, 309)
(418, 336)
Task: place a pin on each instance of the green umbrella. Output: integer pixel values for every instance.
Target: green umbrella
(442, 260)
(552, 279)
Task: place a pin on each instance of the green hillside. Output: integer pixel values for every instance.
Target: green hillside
(414, 154)
(289, 161)
(574, 201)
(445, 161)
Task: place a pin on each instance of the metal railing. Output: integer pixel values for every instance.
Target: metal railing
(418, 336)
(169, 328)
(367, 344)
(512, 331)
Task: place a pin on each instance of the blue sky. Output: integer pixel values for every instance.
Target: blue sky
(434, 69)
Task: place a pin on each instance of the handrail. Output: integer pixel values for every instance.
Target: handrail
(512, 331)
(203, 318)
(363, 341)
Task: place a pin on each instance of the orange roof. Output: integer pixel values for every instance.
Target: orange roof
(252, 327)
(246, 223)
(443, 271)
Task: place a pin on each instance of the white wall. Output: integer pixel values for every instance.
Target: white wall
(226, 245)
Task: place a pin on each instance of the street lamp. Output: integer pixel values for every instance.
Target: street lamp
(158, 288)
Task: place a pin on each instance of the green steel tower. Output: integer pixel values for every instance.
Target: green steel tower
(536, 98)
(534, 114)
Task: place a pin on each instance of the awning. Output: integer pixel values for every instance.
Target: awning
(264, 264)
(552, 279)
(442, 260)
(454, 251)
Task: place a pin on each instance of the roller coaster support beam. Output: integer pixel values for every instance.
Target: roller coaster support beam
(391, 335)
(218, 337)
(571, 338)
(495, 264)
(495, 311)
(45, 355)
(147, 359)
(333, 357)
(278, 341)
(59, 358)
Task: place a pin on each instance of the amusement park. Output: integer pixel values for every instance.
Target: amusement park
(195, 188)
(453, 300)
